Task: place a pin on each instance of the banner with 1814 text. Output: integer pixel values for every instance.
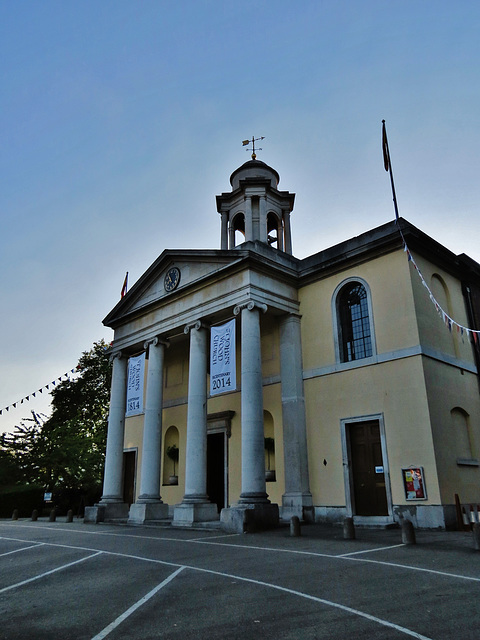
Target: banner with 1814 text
(222, 358)
(135, 379)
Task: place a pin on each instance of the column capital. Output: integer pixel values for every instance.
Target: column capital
(155, 342)
(250, 306)
(197, 325)
(117, 354)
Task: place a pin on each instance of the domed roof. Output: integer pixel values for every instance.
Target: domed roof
(254, 169)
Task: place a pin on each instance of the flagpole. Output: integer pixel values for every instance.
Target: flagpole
(388, 166)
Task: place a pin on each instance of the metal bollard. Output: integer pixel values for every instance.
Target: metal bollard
(69, 515)
(295, 526)
(408, 532)
(34, 515)
(53, 516)
(476, 535)
(348, 529)
(15, 514)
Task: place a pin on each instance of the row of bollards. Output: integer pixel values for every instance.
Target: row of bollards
(408, 531)
(51, 518)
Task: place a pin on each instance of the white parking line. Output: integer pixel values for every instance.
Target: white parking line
(33, 546)
(307, 596)
(355, 553)
(138, 604)
(47, 573)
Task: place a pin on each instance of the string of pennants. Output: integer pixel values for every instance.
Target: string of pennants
(449, 322)
(34, 393)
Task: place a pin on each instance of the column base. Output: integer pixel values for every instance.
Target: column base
(108, 512)
(298, 504)
(141, 512)
(248, 518)
(187, 514)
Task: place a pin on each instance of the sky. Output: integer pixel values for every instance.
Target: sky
(120, 121)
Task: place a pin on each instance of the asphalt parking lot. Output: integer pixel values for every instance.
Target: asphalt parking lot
(70, 581)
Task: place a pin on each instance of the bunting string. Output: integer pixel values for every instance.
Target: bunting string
(451, 324)
(14, 405)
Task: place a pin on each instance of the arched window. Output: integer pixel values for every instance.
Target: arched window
(355, 339)
(461, 433)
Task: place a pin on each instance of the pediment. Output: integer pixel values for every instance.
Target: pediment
(192, 268)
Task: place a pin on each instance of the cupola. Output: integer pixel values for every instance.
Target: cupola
(255, 210)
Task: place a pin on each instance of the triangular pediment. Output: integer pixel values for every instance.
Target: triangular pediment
(174, 272)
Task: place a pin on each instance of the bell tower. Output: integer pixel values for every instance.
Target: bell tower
(255, 210)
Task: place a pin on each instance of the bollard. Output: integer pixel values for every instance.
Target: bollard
(15, 514)
(53, 516)
(69, 515)
(408, 532)
(295, 526)
(476, 536)
(348, 529)
(34, 515)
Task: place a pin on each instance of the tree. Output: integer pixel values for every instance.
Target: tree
(67, 450)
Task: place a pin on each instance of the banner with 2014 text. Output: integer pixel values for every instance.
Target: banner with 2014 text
(222, 358)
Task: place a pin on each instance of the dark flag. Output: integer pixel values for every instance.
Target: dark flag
(124, 288)
(386, 155)
(388, 166)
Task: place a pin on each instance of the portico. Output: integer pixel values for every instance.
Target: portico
(179, 299)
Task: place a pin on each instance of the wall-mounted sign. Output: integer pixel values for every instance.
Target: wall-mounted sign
(222, 358)
(414, 483)
(135, 379)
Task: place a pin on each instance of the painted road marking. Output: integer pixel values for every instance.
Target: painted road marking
(250, 547)
(33, 546)
(47, 573)
(307, 596)
(137, 605)
(355, 553)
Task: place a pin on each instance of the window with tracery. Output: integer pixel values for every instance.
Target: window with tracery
(355, 335)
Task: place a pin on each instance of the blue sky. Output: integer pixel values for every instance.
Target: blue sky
(120, 122)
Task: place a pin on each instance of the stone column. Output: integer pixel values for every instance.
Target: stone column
(248, 219)
(297, 499)
(195, 505)
(231, 235)
(253, 448)
(224, 231)
(253, 510)
(149, 505)
(111, 506)
(263, 218)
(288, 231)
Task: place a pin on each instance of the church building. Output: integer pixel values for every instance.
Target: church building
(250, 386)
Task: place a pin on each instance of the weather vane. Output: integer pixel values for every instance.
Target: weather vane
(253, 140)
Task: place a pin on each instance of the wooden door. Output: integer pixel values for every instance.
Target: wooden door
(368, 474)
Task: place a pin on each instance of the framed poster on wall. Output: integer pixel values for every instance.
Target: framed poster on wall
(414, 483)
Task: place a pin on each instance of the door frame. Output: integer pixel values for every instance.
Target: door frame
(345, 424)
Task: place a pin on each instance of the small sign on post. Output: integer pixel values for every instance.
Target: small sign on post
(47, 496)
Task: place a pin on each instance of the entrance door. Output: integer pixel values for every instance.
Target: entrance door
(368, 474)
(129, 464)
(216, 469)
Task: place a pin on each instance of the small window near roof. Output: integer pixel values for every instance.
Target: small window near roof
(355, 336)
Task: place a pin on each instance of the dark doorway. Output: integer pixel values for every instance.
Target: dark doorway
(368, 474)
(216, 469)
(129, 464)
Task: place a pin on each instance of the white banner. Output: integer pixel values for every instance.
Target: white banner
(135, 378)
(222, 358)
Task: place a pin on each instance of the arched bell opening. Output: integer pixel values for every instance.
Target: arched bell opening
(237, 230)
(274, 231)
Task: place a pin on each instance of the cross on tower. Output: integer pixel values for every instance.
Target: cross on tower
(253, 140)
